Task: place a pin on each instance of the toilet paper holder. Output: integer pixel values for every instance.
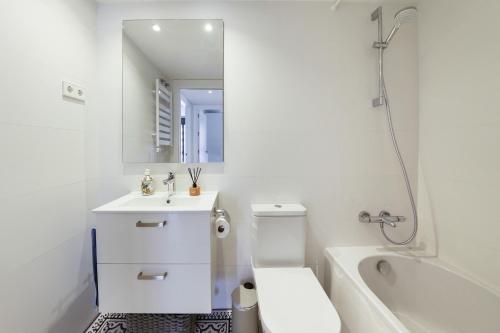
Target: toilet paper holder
(221, 212)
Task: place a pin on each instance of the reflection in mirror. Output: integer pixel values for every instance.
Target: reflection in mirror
(173, 108)
(201, 125)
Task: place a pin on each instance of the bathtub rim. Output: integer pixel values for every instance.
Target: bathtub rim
(352, 272)
(348, 258)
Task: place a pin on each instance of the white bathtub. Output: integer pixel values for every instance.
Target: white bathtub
(410, 295)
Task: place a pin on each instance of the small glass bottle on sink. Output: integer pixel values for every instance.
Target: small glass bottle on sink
(147, 183)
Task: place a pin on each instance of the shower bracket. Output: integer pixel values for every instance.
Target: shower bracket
(380, 45)
(376, 102)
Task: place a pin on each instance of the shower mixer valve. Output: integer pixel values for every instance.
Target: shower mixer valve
(383, 217)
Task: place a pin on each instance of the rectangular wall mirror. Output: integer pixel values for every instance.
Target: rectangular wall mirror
(173, 105)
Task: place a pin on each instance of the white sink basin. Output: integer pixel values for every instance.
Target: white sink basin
(178, 202)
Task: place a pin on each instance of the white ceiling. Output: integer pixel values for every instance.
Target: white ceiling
(332, 1)
(183, 49)
(202, 96)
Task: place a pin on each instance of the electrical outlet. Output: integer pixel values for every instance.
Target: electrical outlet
(74, 91)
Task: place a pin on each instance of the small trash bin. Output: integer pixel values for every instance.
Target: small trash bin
(245, 312)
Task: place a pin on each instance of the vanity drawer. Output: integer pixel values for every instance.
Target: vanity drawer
(154, 238)
(160, 288)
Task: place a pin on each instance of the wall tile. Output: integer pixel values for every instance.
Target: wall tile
(459, 132)
(298, 121)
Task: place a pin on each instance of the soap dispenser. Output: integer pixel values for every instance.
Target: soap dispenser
(147, 183)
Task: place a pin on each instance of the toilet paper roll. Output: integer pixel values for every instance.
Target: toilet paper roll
(222, 227)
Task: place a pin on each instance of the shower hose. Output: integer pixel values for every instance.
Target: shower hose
(403, 170)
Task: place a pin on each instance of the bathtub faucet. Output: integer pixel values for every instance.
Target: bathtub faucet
(383, 217)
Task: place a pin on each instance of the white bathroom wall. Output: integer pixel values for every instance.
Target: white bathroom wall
(45, 254)
(460, 130)
(299, 125)
(139, 81)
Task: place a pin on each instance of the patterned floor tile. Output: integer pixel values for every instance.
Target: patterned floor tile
(218, 321)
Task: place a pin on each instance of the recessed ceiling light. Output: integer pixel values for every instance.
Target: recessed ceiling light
(208, 27)
(156, 27)
(210, 91)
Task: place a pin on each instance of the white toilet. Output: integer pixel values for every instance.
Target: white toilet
(289, 295)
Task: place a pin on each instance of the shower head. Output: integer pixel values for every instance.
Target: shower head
(404, 16)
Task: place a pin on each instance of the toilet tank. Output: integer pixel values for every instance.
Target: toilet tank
(278, 235)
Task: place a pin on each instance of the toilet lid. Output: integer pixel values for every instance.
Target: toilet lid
(292, 300)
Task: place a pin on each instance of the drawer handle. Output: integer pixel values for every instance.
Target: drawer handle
(141, 224)
(153, 276)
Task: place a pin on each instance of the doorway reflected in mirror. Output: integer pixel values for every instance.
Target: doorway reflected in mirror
(201, 112)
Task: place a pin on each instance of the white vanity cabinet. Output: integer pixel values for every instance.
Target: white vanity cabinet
(153, 261)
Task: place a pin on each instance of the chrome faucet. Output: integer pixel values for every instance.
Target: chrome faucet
(170, 183)
(384, 217)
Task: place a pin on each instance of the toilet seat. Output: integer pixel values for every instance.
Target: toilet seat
(291, 300)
